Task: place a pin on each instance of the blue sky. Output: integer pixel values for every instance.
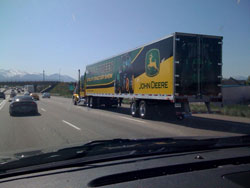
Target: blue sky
(65, 35)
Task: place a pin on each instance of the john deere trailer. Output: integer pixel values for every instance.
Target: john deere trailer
(164, 75)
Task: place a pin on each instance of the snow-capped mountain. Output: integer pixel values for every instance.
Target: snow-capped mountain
(17, 75)
(239, 77)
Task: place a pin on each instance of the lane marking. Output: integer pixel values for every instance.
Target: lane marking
(2, 104)
(106, 114)
(43, 109)
(132, 119)
(70, 124)
(55, 102)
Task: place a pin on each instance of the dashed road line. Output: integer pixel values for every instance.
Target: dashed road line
(107, 114)
(43, 109)
(70, 124)
(2, 104)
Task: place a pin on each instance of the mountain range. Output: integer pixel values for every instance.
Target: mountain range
(239, 77)
(17, 75)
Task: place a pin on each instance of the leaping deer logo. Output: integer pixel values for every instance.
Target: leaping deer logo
(152, 64)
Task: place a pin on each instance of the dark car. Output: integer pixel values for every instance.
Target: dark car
(23, 105)
(2, 95)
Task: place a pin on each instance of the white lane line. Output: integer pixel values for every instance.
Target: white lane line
(106, 114)
(2, 104)
(132, 119)
(43, 109)
(70, 124)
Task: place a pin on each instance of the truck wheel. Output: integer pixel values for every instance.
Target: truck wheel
(134, 109)
(87, 101)
(91, 102)
(180, 117)
(144, 110)
(74, 101)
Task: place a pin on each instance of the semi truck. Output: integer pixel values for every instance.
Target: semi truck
(161, 77)
(29, 88)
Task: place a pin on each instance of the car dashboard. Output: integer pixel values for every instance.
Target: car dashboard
(214, 168)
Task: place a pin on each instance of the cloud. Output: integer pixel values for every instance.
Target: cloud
(73, 17)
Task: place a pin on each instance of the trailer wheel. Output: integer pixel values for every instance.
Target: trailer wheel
(88, 101)
(134, 109)
(144, 110)
(180, 117)
(91, 102)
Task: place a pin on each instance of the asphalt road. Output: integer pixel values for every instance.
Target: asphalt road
(60, 123)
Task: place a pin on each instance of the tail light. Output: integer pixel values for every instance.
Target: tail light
(180, 100)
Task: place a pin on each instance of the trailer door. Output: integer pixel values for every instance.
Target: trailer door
(197, 65)
(210, 66)
(186, 65)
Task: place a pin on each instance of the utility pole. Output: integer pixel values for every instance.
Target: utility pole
(79, 81)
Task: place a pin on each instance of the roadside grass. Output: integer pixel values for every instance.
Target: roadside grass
(62, 89)
(231, 110)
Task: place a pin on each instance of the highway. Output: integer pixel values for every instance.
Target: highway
(60, 123)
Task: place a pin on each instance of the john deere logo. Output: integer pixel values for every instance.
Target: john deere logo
(152, 62)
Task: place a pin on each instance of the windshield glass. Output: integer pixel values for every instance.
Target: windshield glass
(133, 70)
(23, 98)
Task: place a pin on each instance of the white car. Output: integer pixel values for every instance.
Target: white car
(46, 95)
(26, 94)
(12, 94)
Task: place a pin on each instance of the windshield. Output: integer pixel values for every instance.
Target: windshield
(23, 98)
(133, 70)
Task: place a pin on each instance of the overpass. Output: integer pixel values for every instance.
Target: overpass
(23, 83)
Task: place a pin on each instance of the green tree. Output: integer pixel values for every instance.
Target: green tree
(248, 80)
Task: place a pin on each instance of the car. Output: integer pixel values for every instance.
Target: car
(2, 95)
(12, 93)
(26, 94)
(35, 96)
(46, 95)
(23, 105)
